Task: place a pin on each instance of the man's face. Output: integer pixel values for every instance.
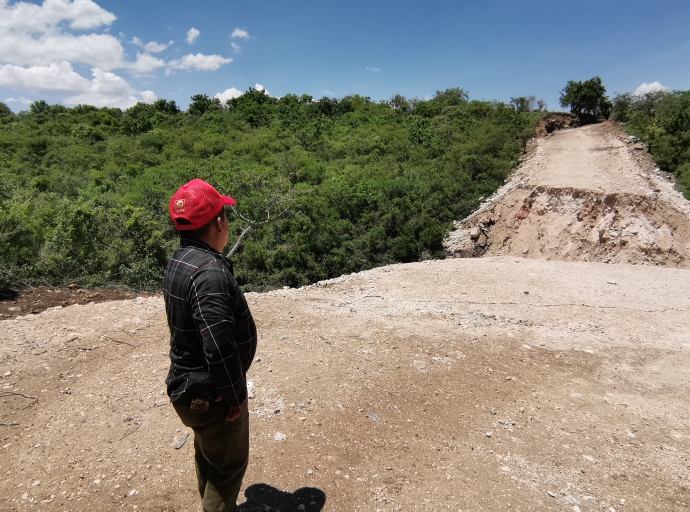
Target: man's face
(226, 227)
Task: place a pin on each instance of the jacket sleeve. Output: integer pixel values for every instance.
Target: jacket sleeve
(210, 297)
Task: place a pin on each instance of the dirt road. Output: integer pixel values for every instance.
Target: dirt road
(587, 194)
(466, 384)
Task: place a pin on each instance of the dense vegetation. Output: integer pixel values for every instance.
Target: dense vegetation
(84, 191)
(662, 120)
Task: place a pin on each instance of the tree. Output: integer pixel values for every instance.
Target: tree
(168, 107)
(5, 110)
(399, 102)
(588, 97)
(268, 197)
(201, 104)
(523, 103)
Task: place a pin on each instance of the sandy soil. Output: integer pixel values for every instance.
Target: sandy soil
(467, 384)
(585, 194)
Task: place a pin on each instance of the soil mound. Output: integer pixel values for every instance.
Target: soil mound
(627, 215)
(551, 123)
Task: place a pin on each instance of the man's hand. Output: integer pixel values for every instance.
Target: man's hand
(234, 412)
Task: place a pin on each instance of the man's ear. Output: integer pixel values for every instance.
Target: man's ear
(219, 224)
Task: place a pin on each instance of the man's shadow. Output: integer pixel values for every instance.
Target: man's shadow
(263, 496)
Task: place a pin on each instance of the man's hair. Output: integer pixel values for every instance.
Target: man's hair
(198, 234)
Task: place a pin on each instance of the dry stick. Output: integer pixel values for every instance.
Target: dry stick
(9, 424)
(8, 393)
(133, 431)
(117, 341)
(182, 442)
(34, 399)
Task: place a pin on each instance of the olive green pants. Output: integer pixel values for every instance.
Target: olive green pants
(221, 454)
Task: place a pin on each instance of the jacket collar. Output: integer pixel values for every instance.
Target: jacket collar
(188, 242)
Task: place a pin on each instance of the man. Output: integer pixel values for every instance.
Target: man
(212, 343)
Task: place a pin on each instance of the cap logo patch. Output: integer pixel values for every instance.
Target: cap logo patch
(179, 206)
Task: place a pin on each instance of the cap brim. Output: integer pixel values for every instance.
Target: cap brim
(228, 201)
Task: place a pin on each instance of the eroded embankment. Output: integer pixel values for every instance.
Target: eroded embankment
(638, 218)
(579, 225)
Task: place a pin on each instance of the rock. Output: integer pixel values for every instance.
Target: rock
(7, 374)
(612, 282)
(74, 286)
(37, 482)
(525, 251)
(576, 395)
(310, 472)
(474, 233)
(279, 436)
(489, 434)
(493, 411)
(526, 292)
(14, 308)
(300, 507)
(552, 494)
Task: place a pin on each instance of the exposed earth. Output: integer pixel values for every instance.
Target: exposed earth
(543, 379)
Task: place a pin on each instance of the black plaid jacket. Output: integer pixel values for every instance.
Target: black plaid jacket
(212, 332)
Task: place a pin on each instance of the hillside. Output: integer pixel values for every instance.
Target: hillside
(537, 380)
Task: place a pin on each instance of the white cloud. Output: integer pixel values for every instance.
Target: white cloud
(99, 50)
(228, 94)
(373, 69)
(21, 99)
(260, 87)
(32, 18)
(192, 34)
(148, 96)
(198, 61)
(38, 50)
(236, 47)
(53, 79)
(328, 93)
(238, 32)
(152, 46)
(106, 88)
(647, 88)
(145, 63)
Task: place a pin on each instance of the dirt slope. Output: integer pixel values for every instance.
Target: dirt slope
(586, 194)
(467, 384)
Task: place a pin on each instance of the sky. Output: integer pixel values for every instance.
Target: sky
(116, 53)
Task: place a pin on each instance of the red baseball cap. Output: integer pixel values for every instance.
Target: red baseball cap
(196, 203)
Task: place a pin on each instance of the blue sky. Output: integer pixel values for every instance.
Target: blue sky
(114, 53)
